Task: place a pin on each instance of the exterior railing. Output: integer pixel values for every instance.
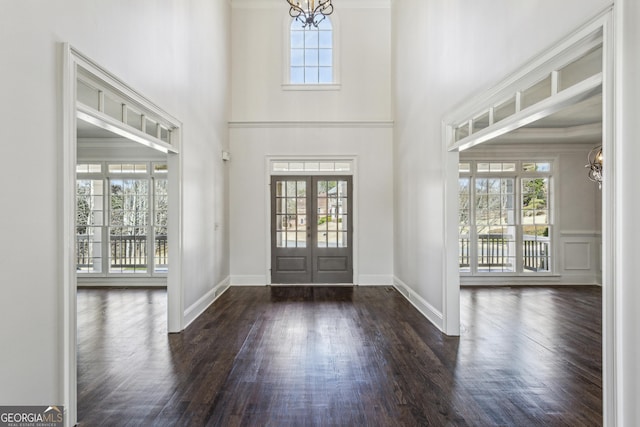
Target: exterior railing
(125, 251)
(494, 251)
(536, 253)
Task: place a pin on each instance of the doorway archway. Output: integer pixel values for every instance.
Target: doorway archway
(516, 102)
(96, 96)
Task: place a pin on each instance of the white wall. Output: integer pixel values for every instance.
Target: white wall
(260, 35)
(268, 120)
(443, 53)
(175, 53)
(577, 207)
(249, 185)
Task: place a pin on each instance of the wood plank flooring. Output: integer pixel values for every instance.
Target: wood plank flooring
(341, 356)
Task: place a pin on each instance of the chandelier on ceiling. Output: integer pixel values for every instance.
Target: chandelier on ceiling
(309, 13)
(595, 160)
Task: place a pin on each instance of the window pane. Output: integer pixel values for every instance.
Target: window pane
(311, 74)
(327, 166)
(88, 95)
(325, 57)
(483, 167)
(543, 167)
(343, 240)
(325, 75)
(535, 199)
(89, 249)
(311, 39)
(579, 70)
(297, 39)
(481, 122)
(160, 168)
(311, 57)
(464, 250)
(496, 249)
(297, 75)
(113, 108)
(536, 248)
(165, 134)
(325, 39)
(151, 127)
(536, 93)
(297, 57)
(161, 251)
(280, 167)
(134, 119)
(325, 24)
(307, 64)
(128, 250)
(462, 131)
(127, 168)
(504, 110)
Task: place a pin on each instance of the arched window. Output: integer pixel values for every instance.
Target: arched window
(311, 55)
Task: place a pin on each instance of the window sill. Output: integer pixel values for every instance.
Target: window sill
(311, 87)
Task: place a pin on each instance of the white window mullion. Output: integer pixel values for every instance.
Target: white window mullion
(151, 234)
(473, 231)
(518, 221)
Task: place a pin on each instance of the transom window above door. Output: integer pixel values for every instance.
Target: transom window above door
(312, 166)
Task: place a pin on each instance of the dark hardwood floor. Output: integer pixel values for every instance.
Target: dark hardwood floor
(341, 356)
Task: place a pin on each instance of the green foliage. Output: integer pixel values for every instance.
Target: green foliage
(535, 193)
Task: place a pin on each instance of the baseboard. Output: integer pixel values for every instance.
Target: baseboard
(426, 309)
(198, 307)
(248, 280)
(375, 280)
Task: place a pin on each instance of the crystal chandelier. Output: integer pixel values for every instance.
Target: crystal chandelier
(595, 160)
(308, 12)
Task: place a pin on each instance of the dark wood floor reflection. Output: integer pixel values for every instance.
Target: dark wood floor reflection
(331, 356)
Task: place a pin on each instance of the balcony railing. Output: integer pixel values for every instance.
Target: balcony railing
(125, 251)
(497, 250)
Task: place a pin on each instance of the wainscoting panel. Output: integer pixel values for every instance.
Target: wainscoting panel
(578, 257)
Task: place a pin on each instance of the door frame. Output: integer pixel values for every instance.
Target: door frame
(611, 195)
(311, 251)
(271, 159)
(71, 60)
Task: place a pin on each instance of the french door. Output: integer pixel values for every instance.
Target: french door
(311, 229)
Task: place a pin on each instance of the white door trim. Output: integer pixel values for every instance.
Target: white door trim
(353, 159)
(67, 276)
(603, 22)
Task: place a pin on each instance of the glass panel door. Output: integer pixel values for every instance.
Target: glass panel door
(311, 230)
